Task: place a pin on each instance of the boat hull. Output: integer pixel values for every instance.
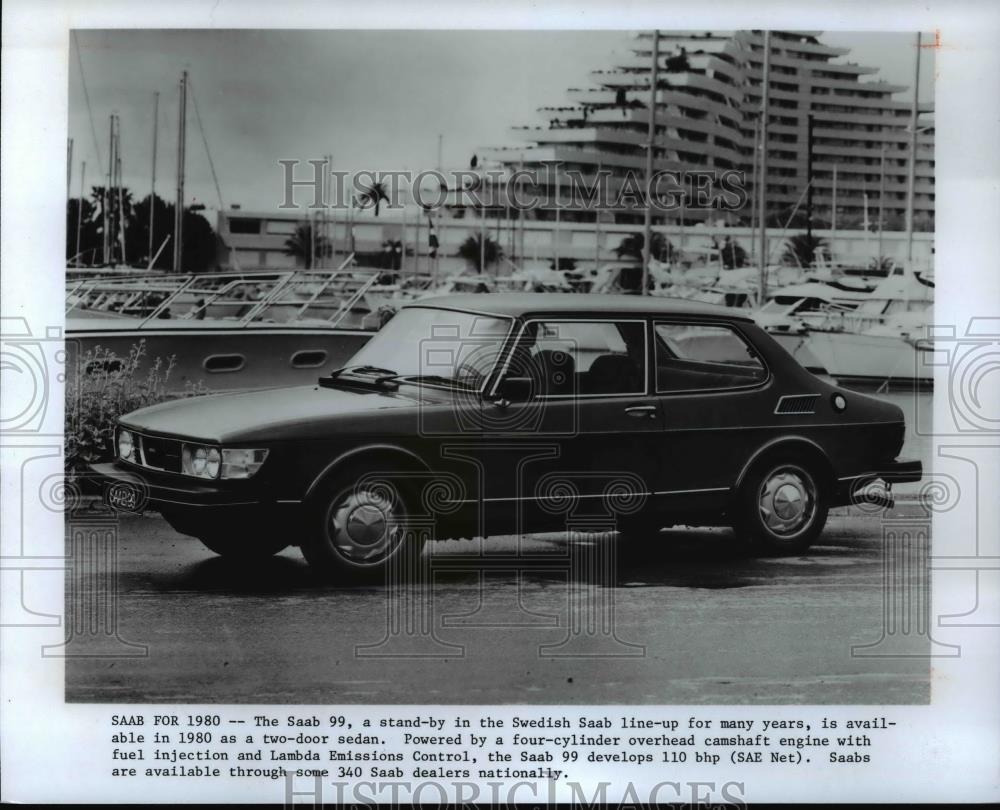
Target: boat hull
(863, 360)
(215, 360)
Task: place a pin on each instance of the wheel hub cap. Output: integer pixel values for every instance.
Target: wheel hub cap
(364, 527)
(787, 501)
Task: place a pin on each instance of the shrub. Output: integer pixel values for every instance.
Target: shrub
(104, 388)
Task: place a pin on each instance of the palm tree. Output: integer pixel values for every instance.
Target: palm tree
(802, 248)
(306, 245)
(631, 247)
(882, 265)
(472, 249)
(119, 212)
(732, 253)
(374, 195)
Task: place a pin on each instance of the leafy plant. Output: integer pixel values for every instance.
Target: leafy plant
(105, 388)
(373, 196)
(802, 249)
(732, 253)
(631, 247)
(200, 249)
(473, 250)
(306, 245)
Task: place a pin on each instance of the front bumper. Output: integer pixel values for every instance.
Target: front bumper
(160, 489)
(193, 507)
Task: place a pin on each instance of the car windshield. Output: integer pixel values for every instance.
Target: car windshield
(436, 346)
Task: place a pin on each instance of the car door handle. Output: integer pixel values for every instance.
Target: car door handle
(641, 411)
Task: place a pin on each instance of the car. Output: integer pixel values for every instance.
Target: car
(479, 415)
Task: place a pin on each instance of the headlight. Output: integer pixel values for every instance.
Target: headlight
(126, 446)
(200, 461)
(242, 463)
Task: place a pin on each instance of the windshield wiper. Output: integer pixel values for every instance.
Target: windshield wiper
(433, 379)
(366, 370)
(361, 375)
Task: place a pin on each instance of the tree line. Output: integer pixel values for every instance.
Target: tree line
(200, 249)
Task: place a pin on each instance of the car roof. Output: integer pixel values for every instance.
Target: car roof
(518, 304)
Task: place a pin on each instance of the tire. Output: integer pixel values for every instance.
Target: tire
(781, 506)
(236, 546)
(357, 531)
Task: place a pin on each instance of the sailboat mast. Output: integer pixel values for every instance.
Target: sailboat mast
(152, 183)
(881, 201)
(79, 211)
(179, 209)
(106, 196)
(833, 212)
(912, 169)
(754, 184)
(120, 192)
(809, 177)
(647, 224)
(597, 222)
(762, 191)
(558, 234)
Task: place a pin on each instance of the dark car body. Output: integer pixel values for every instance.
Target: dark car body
(677, 443)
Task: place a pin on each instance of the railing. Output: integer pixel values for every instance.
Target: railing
(243, 299)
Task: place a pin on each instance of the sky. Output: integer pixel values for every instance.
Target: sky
(375, 100)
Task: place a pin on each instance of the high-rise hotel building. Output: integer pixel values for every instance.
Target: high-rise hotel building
(708, 110)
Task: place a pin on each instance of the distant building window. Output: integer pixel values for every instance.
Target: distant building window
(244, 225)
(281, 226)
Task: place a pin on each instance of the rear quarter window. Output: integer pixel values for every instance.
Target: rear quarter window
(698, 357)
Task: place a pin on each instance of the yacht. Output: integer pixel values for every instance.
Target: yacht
(220, 331)
(861, 334)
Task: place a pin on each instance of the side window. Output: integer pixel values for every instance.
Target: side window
(566, 358)
(694, 357)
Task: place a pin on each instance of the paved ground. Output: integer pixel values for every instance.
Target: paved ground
(685, 618)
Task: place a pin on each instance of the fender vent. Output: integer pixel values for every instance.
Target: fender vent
(797, 404)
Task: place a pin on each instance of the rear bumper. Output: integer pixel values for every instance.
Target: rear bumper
(900, 471)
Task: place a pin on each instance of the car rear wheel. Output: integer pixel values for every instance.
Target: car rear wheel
(781, 507)
(357, 528)
(238, 546)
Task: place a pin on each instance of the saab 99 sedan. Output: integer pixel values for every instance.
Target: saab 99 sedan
(478, 415)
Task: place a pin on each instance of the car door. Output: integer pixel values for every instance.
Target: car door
(585, 443)
(710, 381)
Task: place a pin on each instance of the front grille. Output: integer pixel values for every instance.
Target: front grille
(159, 454)
(797, 404)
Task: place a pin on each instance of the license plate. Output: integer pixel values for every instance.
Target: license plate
(123, 497)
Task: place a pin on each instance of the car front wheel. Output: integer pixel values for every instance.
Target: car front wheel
(357, 528)
(780, 507)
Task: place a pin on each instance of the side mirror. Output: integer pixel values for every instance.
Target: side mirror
(514, 389)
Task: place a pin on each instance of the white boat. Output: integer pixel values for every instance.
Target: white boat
(220, 331)
(861, 336)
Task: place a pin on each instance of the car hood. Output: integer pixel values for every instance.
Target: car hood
(268, 414)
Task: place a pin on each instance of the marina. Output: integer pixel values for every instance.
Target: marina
(291, 295)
